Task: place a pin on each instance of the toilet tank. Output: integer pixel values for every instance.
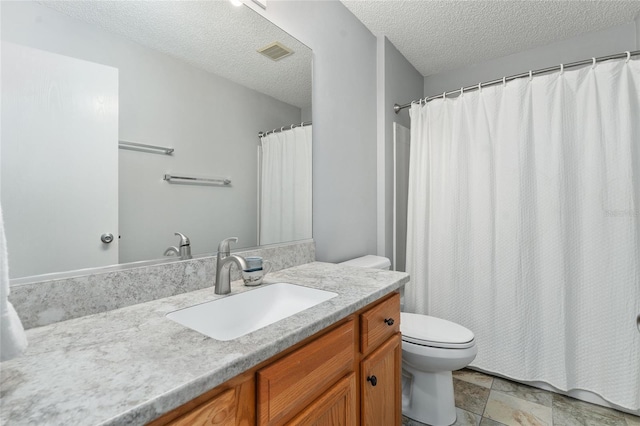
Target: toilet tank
(369, 261)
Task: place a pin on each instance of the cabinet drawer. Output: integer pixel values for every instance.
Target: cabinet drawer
(379, 323)
(289, 384)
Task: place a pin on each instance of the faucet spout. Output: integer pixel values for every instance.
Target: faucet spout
(172, 250)
(185, 248)
(223, 268)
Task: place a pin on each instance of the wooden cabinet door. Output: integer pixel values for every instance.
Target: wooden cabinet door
(233, 404)
(336, 407)
(380, 385)
(285, 387)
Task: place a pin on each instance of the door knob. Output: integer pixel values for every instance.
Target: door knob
(373, 380)
(106, 238)
(389, 321)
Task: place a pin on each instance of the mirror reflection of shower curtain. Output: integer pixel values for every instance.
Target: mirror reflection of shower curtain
(285, 186)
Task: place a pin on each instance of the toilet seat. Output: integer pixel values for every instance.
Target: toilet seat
(434, 332)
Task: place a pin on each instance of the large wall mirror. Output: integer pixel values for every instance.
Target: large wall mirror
(85, 82)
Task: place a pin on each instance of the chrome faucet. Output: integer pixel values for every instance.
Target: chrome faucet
(223, 266)
(185, 248)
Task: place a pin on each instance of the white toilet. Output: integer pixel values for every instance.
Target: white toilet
(431, 349)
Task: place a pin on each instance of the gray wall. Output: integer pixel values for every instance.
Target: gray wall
(307, 114)
(164, 101)
(344, 123)
(401, 83)
(598, 43)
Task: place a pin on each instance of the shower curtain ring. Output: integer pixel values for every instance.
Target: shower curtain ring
(593, 65)
(444, 95)
(628, 56)
(462, 91)
(530, 75)
(561, 68)
(504, 81)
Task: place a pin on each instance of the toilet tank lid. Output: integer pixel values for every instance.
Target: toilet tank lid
(369, 261)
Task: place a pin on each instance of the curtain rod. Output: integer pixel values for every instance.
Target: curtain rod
(281, 129)
(397, 108)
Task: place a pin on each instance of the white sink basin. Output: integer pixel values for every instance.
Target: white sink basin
(239, 314)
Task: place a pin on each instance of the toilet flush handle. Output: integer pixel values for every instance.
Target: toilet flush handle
(388, 321)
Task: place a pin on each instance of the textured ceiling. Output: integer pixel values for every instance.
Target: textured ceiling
(442, 35)
(211, 35)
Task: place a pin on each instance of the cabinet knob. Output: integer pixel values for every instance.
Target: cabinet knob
(389, 321)
(373, 380)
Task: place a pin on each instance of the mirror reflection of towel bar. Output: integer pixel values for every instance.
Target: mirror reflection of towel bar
(197, 180)
(135, 146)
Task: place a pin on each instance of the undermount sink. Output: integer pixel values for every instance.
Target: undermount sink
(240, 314)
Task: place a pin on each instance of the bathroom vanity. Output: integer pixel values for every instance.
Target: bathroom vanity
(318, 381)
(335, 363)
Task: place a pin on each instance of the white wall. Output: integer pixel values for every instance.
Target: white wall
(598, 43)
(637, 22)
(211, 122)
(307, 114)
(344, 123)
(402, 136)
(401, 83)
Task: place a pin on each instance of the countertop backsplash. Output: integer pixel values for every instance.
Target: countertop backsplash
(50, 301)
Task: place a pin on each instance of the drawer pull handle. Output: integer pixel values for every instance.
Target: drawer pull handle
(373, 380)
(389, 321)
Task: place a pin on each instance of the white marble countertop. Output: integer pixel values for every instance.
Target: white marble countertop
(131, 365)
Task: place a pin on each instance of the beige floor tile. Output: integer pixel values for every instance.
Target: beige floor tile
(474, 377)
(632, 420)
(470, 397)
(518, 390)
(406, 421)
(466, 418)
(463, 418)
(488, 422)
(515, 411)
(572, 412)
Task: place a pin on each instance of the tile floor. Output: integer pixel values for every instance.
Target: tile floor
(483, 400)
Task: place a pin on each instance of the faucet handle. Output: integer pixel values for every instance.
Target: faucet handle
(223, 247)
(184, 240)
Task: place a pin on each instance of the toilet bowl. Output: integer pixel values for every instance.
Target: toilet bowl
(431, 349)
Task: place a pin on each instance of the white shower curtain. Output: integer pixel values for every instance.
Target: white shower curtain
(285, 198)
(524, 225)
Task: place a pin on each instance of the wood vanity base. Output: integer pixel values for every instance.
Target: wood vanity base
(347, 374)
